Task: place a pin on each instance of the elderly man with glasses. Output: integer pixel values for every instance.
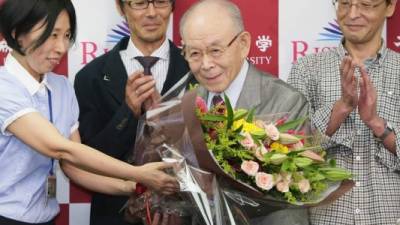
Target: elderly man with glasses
(216, 46)
(354, 99)
(114, 89)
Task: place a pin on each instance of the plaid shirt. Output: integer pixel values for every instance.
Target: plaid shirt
(376, 197)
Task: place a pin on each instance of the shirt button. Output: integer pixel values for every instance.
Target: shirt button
(358, 184)
(390, 93)
(358, 158)
(357, 211)
(358, 132)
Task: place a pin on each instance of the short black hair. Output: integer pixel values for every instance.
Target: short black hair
(18, 17)
(172, 1)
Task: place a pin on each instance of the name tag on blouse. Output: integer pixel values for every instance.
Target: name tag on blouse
(51, 187)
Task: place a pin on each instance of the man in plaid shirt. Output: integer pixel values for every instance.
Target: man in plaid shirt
(354, 94)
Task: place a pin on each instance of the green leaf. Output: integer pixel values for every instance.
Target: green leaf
(332, 163)
(250, 115)
(229, 111)
(214, 118)
(258, 135)
(277, 158)
(239, 129)
(239, 114)
(293, 124)
(302, 161)
(288, 166)
(193, 86)
(335, 174)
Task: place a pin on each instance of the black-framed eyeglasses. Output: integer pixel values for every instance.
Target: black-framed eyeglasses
(144, 4)
(215, 51)
(363, 6)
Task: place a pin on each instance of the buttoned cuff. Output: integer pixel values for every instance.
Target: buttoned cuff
(387, 158)
(321, 118)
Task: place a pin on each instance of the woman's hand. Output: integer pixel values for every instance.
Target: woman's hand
(152, 176)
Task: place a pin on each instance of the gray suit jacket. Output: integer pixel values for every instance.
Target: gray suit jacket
(268, 94)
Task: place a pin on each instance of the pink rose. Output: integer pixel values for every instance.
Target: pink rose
(304, 185)
(272, 132)
(264, 181)
(282, 186)
(201, 104)
(250, 167)
(248, 142)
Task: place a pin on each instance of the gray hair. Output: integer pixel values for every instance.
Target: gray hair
(232, 9)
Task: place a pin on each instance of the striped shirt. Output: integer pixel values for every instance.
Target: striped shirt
(376, 197)
(159, 70)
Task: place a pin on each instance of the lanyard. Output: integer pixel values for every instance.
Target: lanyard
(51, 120)
(50, 105)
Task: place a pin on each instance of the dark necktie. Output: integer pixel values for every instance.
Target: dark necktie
(147, 62)
(217, 100)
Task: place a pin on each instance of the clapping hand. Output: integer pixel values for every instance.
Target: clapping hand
(348, 83)
(138, 90)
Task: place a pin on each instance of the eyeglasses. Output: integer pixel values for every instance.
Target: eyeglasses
(144, 4)
(216, 51)
(363, 6)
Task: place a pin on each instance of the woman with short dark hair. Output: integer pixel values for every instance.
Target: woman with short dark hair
(39, 118)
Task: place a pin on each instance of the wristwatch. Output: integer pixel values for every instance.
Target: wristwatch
(386, 132)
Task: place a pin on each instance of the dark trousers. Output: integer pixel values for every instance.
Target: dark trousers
(6, 221)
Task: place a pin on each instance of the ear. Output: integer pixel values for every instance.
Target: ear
(120, 8)
(245, 43)
(391, 8)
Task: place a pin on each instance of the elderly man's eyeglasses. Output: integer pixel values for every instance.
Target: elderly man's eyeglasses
(216, 51)
(362, 6)
(144, 4)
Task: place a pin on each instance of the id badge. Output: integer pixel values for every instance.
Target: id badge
(51, 186)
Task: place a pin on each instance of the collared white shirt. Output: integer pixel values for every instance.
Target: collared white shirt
(24, 171)
(159, 70)
(234, 89)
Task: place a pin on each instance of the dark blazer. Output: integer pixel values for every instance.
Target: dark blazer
(106, 122)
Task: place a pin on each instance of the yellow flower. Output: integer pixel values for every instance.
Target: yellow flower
(279, 148)
(238, 123)
(247, 127)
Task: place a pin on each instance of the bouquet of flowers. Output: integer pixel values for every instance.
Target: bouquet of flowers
(234, 165)
(275, 156)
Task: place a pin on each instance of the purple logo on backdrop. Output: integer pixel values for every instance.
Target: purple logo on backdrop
(118, 33)
(397, 42)
(90, 50)
(331, 32)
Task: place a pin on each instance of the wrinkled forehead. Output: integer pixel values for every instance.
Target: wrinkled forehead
(207, 35)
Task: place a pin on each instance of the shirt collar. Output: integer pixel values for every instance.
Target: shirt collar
(379, 58)
(23, 76)
(162, 52)
(234, 89)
